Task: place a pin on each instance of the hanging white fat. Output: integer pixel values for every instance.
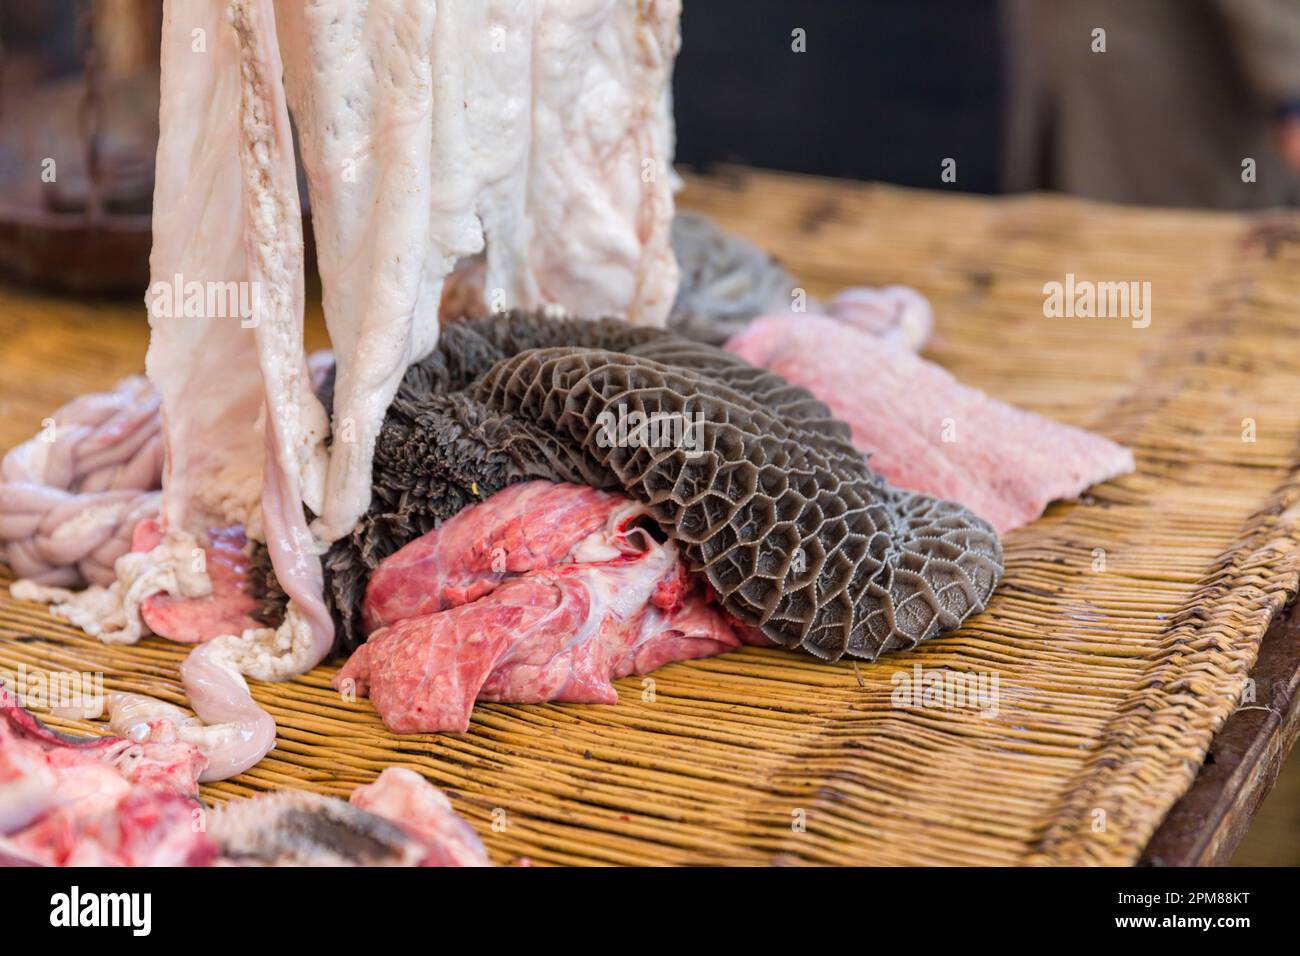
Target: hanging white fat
(538, 133)
(244, 432)
(535, 131)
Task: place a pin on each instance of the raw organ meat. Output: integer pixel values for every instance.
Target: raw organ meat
(70, 496)
(925, 430)
(142, 828)
(773, 504)
(522, 528)
(399, 820)
(110, 801)
(226, 610)
(423, 811)
(100, 801)
(618, 602)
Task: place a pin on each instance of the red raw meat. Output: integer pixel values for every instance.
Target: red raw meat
(227, 610)
(530, 525)
(102, 801)
(926, 431)
(109, 801)
(142, 828)
(421, 809)
(621, 603)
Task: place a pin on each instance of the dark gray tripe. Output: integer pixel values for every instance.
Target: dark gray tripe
(295, 828)
(724, 281)
(769, 500)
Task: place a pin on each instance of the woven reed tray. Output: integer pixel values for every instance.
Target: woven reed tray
(1121, 638)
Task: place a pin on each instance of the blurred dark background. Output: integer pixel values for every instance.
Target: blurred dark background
(1164, 109)
(1160, 102)
(885, 90)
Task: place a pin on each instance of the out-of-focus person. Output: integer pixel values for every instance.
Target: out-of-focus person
(1182, 95)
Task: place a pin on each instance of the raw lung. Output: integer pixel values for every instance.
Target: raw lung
(543, 592)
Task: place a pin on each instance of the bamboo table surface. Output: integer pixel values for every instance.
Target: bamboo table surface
(832, 235)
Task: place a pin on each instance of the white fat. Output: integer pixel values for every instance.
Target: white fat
(112, 614)
(603, 544)
(96, 610)
(130, 716)
(267, 654)
(595, 547)
(623, 592)
(233, 497)
(24, 590)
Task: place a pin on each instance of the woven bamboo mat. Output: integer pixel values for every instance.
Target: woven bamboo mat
(1120, 640)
